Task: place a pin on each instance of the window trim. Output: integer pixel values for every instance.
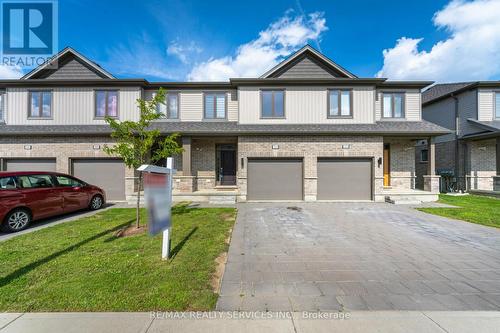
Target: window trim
(205, 93)
(339, 102)
(421, 155)
(40, 91)
(403, 104)
(272, 111)
(2, 106)
(96, 117)
(495, 116)
(167, 116)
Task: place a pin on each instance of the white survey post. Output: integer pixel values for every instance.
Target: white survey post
(165, 250)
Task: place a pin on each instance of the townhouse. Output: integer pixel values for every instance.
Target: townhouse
(470, 154)
(307, 129)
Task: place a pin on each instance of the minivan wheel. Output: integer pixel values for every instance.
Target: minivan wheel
(17, 220)
(96, 202)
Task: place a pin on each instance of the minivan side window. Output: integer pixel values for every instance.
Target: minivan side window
(67, 181)
(35, 181)
(7, 183)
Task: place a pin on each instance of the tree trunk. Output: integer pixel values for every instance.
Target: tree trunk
(137, 213)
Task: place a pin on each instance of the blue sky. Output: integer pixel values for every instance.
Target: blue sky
(212, 40)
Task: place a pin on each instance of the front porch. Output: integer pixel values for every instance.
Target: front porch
(207, 166)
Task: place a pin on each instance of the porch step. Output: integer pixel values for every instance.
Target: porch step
(402, 200)
(221, 199)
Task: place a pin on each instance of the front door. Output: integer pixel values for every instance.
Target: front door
(387, 165)
(226, 165)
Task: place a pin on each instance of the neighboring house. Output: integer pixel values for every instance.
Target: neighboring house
(307, 129)
(471, 153)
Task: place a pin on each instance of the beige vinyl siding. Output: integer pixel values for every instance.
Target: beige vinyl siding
(485, 100)
(191, 104)
(413, 104)
(70, 106)
(306, 105)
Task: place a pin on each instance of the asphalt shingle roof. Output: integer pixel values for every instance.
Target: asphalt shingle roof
(233, 128)
(440, 90)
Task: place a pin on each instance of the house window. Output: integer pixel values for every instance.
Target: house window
(273, 103)
(215, 105)
(170, 108)
(424, 155)
(339, 103)
(40, 104)
(497, 105)
(106, 103)
(2, 107)
(393, 105)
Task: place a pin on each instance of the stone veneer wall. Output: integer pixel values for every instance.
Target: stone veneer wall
(482, 164)
(309, 148)
(62, 149)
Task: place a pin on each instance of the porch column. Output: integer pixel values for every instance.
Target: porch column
(498, 156)
(431, 157)
(431, 180)
(496, 179)
(186, 156)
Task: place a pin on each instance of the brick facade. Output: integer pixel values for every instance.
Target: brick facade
(310, 148)
(203, 157)
(402, 165)
(63, 149)
(482, 164)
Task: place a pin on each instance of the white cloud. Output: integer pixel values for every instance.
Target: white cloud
(140, 56)
(256, 57)
(183, 52)
(472, 52)
(10, 72)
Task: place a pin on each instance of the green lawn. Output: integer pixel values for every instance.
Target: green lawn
(82, 266)
(472, 208)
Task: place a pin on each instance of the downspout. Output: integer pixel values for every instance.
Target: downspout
(457, 147)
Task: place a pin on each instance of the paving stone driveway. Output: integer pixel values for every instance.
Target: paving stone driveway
(350, 256)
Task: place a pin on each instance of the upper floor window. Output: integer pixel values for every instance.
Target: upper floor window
(2, 107)
(272, 103)
(339, 103)
(170, 108)
(40, 104)
(497, 105)
(393, 105)
(215, 105)
(106, 103)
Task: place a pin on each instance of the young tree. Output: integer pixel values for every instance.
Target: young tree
(138, 144)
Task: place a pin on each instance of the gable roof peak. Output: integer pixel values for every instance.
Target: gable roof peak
(308, 51)
(68, 52)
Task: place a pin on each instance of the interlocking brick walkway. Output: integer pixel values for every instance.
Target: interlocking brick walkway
(375, 256)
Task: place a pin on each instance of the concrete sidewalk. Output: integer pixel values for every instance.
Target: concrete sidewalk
(261, 322)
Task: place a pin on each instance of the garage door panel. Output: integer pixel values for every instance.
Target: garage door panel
(275, 179)
(344, 179)
(30, 164)
(105, 173)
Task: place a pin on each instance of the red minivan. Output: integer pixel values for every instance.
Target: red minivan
(26, 196)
